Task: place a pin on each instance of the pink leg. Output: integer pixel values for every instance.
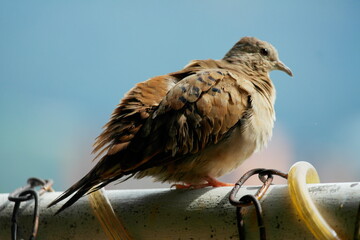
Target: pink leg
(215, 183)
(211, 182)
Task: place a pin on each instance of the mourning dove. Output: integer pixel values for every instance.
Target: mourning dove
(189, 126)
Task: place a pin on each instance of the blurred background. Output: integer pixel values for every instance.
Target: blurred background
(65, 65)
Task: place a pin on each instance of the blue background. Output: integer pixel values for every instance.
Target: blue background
(65, 65)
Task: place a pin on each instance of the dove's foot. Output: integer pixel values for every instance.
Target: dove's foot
(211, 182)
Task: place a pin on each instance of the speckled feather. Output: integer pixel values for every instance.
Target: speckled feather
(199, 122)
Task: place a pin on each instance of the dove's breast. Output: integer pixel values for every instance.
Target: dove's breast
(261, 122)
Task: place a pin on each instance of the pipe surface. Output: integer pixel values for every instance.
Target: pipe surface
(188, 214)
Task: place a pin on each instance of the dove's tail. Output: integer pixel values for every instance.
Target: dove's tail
(80, 189)
(91, 182)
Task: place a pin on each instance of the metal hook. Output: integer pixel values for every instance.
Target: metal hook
(26, 193)
(248, 200)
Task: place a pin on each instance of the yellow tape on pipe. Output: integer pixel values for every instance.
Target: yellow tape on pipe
(300, 174)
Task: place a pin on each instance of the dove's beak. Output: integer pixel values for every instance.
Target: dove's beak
(282, 67)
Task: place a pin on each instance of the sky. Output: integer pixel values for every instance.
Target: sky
(65, 65)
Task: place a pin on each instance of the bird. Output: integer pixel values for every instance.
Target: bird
(191, 126)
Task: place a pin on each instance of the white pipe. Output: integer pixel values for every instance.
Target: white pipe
(188, 214)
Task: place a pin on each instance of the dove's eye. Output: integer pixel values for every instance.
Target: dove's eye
(264, 51)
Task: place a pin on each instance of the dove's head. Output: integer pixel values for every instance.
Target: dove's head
(258, 54)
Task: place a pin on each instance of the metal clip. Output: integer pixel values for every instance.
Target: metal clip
(248, 200)
(27, 193)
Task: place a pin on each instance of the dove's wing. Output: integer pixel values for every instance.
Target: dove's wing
(198, 112)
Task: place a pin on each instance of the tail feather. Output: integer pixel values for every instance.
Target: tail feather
(80, 188)
(83, 187)
(106, 171)
(81, 192)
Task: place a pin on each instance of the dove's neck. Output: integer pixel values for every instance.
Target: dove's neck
(256, 71)
(265, 87)
(250, 63)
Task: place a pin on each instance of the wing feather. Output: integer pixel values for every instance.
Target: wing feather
(197, 112)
